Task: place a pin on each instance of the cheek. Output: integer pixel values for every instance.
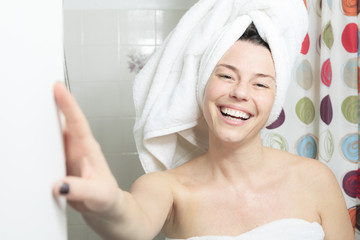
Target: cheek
(215, 89)
(208, 93)
(206, 107)
(266, 101)
(209, 99)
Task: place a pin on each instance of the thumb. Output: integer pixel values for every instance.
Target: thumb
(84, 194)
(76, 188)
(73, 189)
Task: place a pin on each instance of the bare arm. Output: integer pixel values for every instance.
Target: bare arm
(333, 211)
(93, 190)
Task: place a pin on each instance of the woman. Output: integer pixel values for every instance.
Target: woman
(238, 188)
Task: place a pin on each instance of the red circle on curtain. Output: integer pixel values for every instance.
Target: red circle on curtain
(305, 45)
(349, 37)
(350, 184)
(326, 73)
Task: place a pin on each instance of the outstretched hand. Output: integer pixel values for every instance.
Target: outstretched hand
(89, 185)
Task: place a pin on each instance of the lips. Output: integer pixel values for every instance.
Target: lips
(234, 114)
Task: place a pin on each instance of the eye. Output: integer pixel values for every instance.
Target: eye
(260, 85)
(225, 76)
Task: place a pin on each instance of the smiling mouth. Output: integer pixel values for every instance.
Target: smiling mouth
(234, 114)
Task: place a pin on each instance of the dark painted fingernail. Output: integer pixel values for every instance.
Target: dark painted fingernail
(64, 188)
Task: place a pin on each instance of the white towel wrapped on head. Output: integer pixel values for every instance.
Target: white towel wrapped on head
(169, 128)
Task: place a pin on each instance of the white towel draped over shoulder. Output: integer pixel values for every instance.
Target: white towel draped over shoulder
(283, 229)
(169, 128)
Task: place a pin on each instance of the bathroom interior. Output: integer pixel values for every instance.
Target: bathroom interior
(106, 42)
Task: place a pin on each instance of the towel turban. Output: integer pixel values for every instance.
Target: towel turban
(169, 128)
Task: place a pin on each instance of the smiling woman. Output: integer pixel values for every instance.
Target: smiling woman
(242, 90)
(201, 102)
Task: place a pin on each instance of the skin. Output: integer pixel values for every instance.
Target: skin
(219, 193)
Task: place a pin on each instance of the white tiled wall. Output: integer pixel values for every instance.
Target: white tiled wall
(97, 45)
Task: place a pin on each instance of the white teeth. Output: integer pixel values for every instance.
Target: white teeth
(235, 113)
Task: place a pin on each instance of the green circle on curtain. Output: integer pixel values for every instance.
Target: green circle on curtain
(349, 109)
(304, 75)
(326, 146)
(328, 36)
(350, 73)
(275, 140)
(305, 110)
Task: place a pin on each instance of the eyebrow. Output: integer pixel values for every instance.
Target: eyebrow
(236, 70)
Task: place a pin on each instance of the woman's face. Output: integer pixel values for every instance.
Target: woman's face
(240, 92)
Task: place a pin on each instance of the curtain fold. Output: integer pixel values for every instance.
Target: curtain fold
(320, 116)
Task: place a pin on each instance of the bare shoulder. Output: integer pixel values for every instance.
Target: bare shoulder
(320, 184)
(315, 173)
(311, 176)
(154, 180)
(307, 169)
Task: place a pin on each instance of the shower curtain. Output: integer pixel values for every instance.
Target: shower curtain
(321, 111)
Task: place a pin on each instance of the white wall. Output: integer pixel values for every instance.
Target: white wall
(31, 152)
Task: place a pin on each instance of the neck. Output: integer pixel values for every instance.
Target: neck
(236, 160)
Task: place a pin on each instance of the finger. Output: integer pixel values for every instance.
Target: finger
(94, 195)
(76, 122)
(72, 188)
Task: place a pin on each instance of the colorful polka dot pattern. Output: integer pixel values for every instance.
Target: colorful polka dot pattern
(320, 118)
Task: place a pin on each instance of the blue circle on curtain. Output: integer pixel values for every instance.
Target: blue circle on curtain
(350, 73)
(329, 2)
(306, 146)
(349, 147)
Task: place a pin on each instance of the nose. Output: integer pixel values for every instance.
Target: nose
(240, 91)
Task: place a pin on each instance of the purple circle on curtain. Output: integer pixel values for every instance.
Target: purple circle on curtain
(350, 184)
(279, 121)
(326, 111)
(326, 73)
(349, 38)
(318, 44)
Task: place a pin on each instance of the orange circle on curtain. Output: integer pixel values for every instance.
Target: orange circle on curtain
(305, 3)
(352, 213)
(349, 7)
